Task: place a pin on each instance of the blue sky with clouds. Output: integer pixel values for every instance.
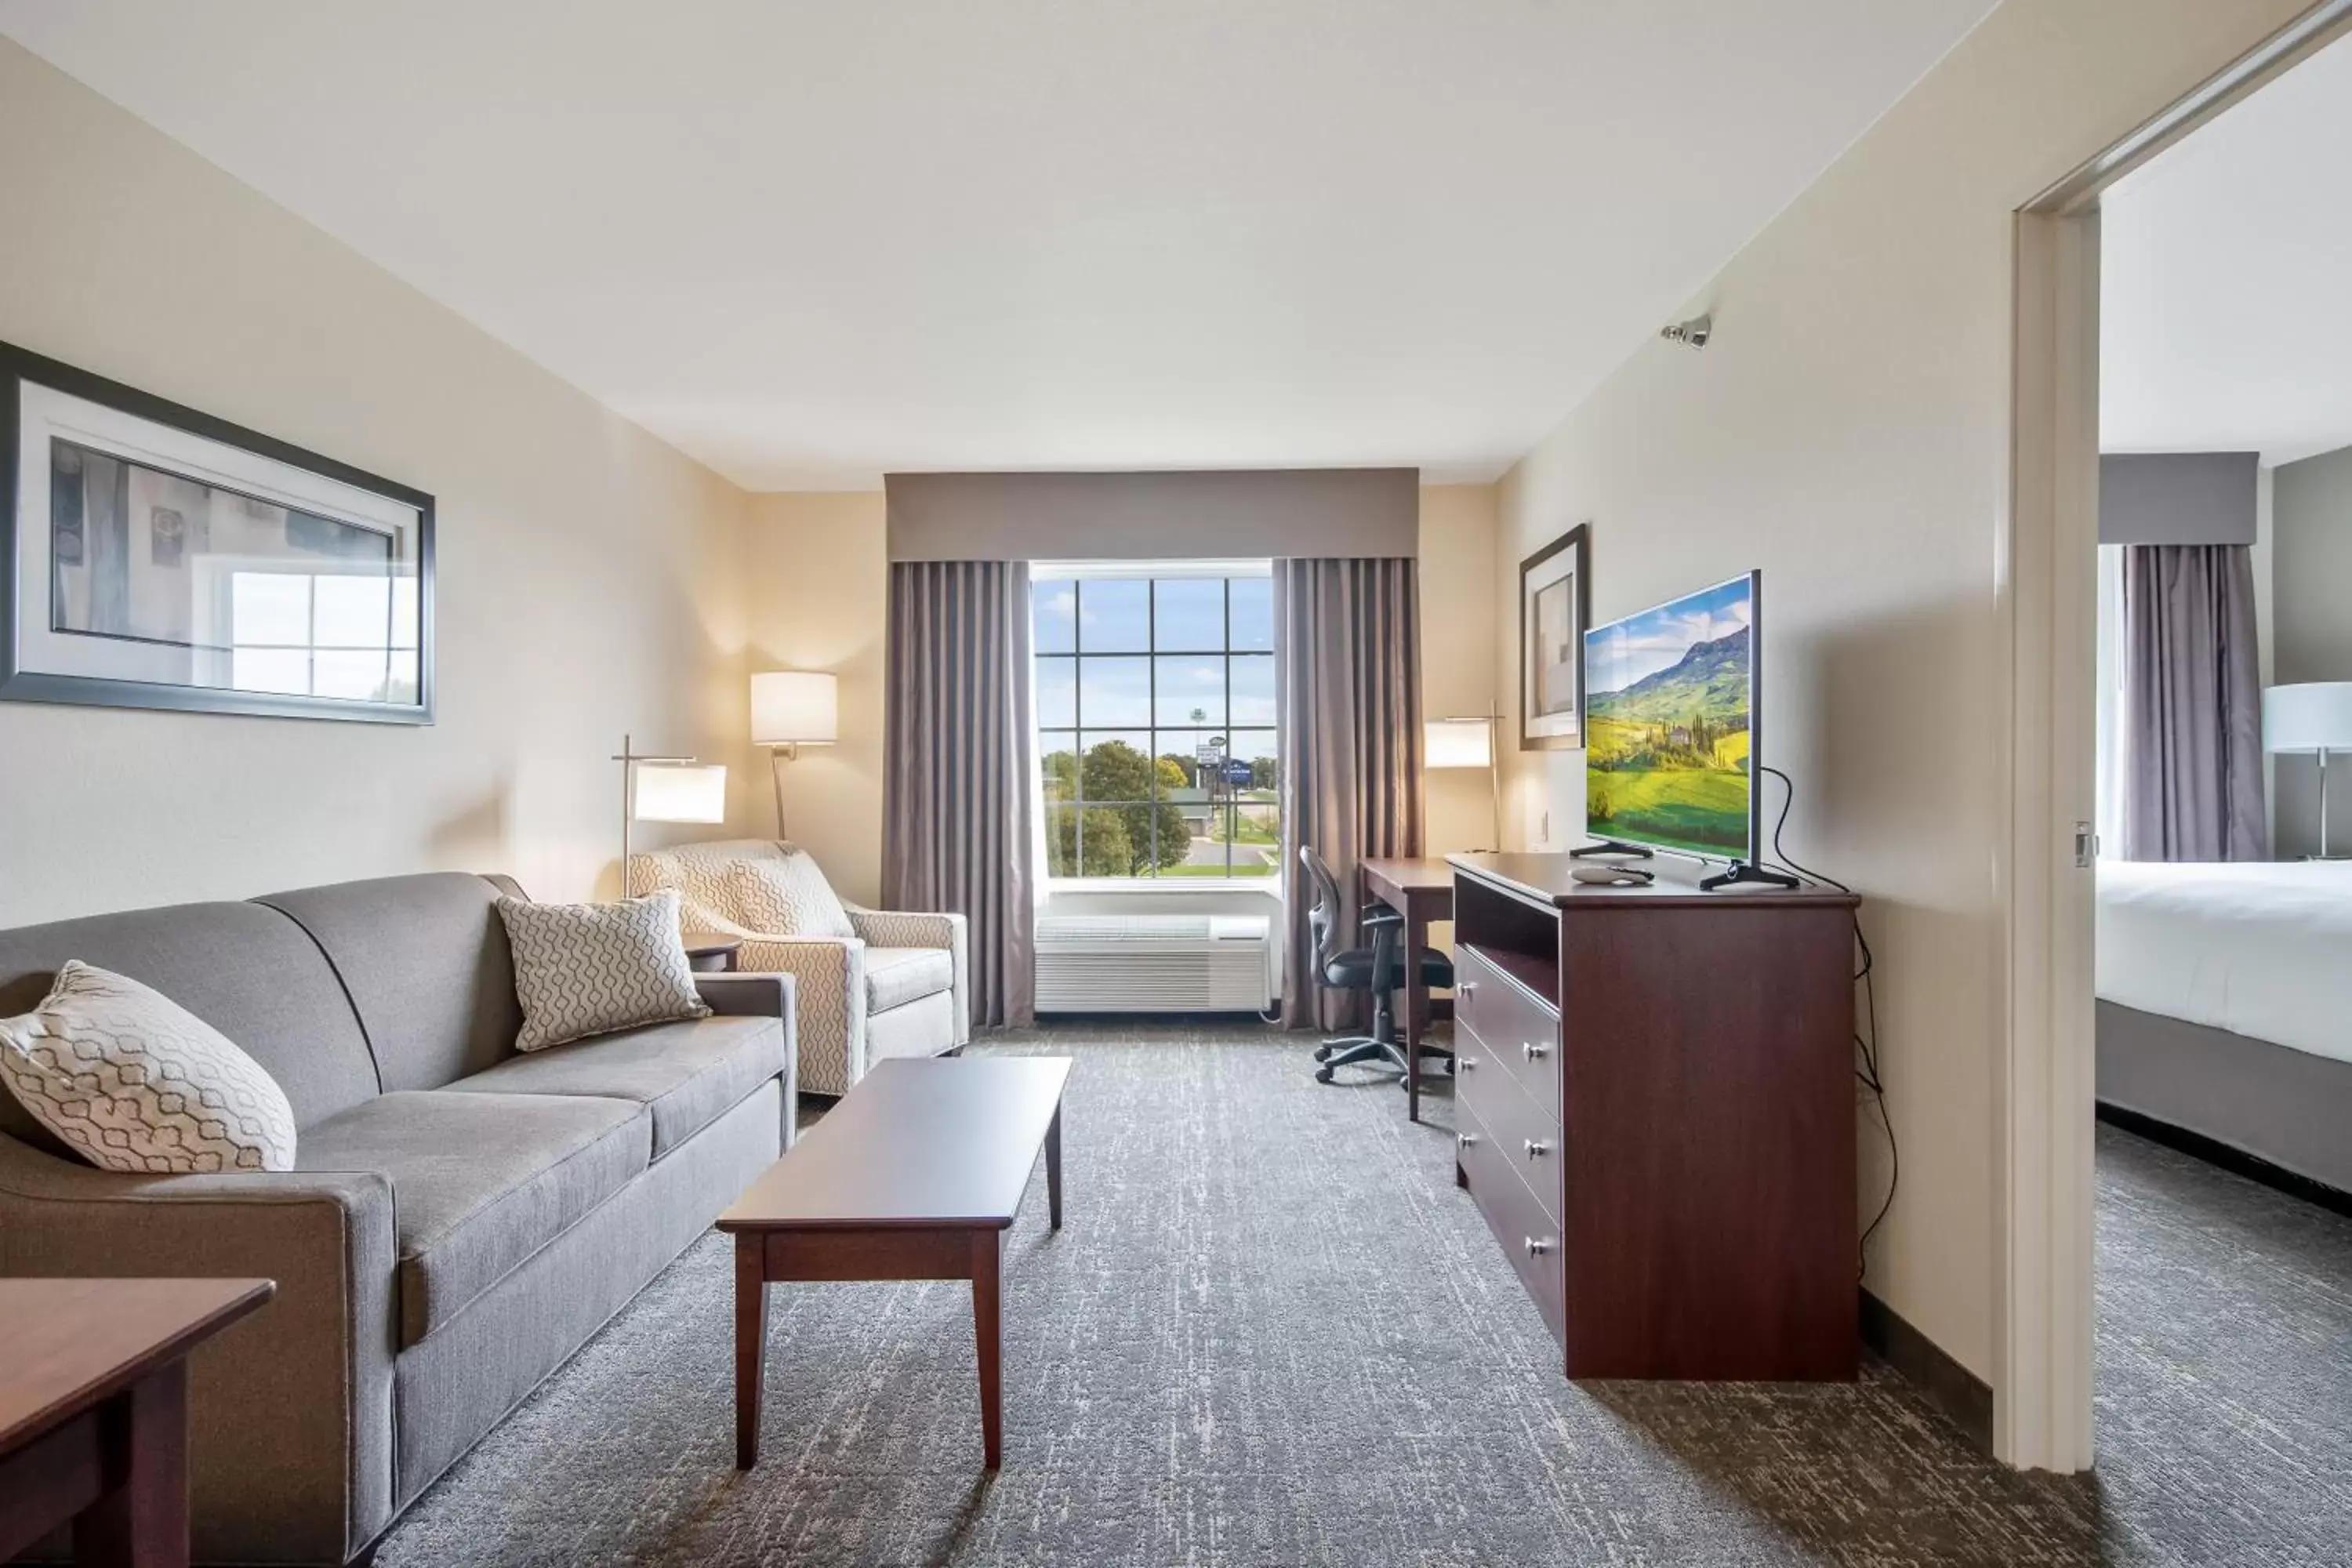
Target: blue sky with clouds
(1619, 654)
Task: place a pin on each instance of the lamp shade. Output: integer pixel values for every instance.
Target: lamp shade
(795, 707)
(1457, 743)
(2313, 716)
(681, 792)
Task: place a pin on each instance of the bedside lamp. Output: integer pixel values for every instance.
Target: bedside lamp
(791, 709)
(666, 789)
(2313, 715)
(1465, 743)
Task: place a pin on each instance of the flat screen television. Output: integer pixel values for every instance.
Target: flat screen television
(1670, 725)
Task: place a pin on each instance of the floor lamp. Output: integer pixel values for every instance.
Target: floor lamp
(2311, 716)
(666, 789)
(791, 709)
(1466, 743)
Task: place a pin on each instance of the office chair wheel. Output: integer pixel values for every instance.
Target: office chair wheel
(1323, 1052)
(1322, 1075)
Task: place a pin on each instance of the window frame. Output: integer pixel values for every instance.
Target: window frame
(1151, 653)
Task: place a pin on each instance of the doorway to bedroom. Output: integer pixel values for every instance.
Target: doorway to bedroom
(2223, 905)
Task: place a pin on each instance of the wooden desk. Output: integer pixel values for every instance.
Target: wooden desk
(916, 1175)
(94, 1410)
(1422, 891)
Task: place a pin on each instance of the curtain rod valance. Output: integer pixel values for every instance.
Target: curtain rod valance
(1154, 516)
(2178, 498)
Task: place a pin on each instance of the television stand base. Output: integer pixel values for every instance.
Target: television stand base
(1608, 847)
(1744, 871)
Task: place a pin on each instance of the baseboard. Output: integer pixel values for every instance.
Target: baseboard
(1965, 1398)
(2237, 1162)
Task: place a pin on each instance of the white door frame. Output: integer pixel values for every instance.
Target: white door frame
(2048, 596)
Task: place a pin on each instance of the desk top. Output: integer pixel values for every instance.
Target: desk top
(1550, 878)
(929, 1142)
(72, 1342)
(1409, 875)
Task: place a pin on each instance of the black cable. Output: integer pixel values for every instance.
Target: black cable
(1865, 1041)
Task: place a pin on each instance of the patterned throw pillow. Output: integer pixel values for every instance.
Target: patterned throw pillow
(589, 969)
(131, 1081)
(786, 898)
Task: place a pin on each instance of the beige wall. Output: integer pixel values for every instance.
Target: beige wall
(1848, 432)
(818, 582)
(586, 572)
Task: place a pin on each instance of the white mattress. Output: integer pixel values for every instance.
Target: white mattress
(2259, 948)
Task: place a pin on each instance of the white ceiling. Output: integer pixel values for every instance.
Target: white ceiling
(810, 242)
(2226, 304)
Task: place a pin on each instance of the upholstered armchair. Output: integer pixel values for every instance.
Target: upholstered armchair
(898, 987)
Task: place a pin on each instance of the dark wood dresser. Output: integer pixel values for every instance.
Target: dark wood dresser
(1655, 1089)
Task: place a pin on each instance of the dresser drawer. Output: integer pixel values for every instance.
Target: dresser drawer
(1516, 1029)
(1528, 1136)
(1528, 1236)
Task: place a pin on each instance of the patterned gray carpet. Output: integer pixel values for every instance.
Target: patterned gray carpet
(1273, 1332)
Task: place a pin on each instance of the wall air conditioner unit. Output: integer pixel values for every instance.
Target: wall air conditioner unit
(1152, 963)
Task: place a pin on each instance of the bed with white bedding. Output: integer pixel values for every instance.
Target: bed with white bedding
(2225, 1006)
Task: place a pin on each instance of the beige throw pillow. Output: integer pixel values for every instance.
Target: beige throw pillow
(787, 898)
(131, 1081)
(589, 969)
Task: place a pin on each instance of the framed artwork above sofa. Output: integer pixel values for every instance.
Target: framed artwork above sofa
(152, 556)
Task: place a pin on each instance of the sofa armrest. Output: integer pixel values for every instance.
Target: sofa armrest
(742, 996)
(828, 1003)
(910, 928)
(290, 1410)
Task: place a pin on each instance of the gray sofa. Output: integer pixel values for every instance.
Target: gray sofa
(462, 1218)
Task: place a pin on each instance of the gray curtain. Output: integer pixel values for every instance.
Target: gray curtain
(956, 819)
(1347, 711)
(2192, 729)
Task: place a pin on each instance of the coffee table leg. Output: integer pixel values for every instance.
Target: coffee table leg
(987, 1332)
(1053, 1168)
(750, 1345)
(143, 1519)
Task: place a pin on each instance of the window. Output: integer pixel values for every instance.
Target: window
(1155, 720)
(349, 636)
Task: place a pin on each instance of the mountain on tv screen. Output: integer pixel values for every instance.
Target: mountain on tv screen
(1669, 724)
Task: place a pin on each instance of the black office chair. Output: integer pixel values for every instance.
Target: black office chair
(1376, 969)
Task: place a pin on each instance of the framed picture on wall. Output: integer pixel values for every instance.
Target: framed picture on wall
(1555, 606)
(152, 556)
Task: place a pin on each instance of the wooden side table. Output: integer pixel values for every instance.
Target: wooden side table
(94, 1410)
(708, 952)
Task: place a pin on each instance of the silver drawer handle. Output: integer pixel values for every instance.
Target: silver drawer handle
(1535, 1052)
(1463, 1063)
(1538, 1148)
(1537, 1246)
(1465, 1139)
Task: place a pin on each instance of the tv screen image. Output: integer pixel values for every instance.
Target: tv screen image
(1670, 721)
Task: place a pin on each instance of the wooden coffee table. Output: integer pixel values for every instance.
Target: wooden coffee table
(916, 1175)
(94, 1410)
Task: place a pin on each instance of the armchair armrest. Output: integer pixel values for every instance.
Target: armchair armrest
(828, 1003)
(745, 996)
(291, 1409)
(910, 928)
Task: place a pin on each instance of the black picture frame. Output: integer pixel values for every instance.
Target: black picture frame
(20, 366)
(1576, 542)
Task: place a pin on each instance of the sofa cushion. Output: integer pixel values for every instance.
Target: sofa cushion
(247, 971)
(592, 969)
(898, 975)
(133, 1082)
(688, 1075)
(479, 1182)
(426, 962)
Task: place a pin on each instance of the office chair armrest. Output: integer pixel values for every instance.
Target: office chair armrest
(1383, 915)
